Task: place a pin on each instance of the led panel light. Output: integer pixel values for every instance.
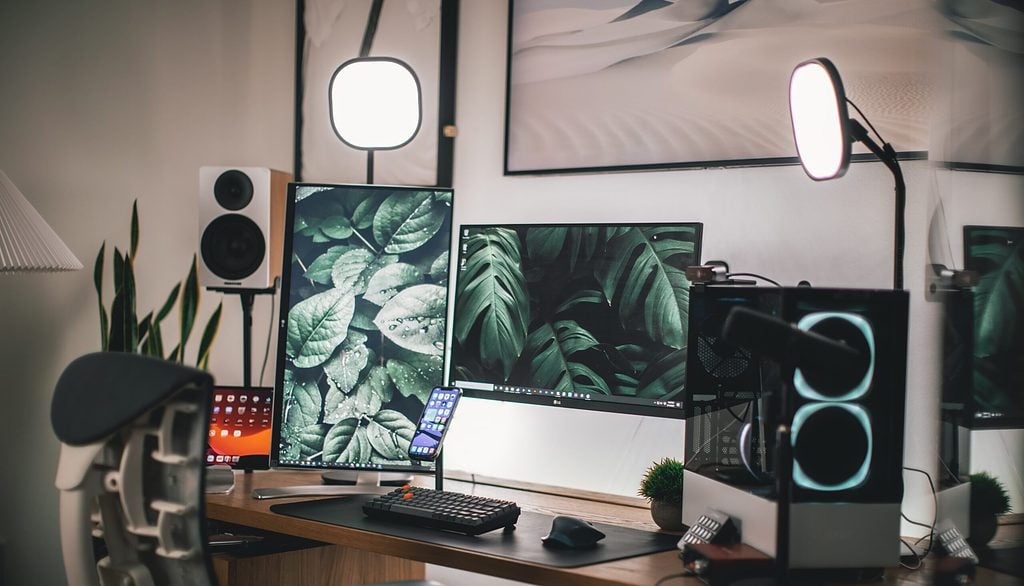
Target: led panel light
(817, 106)
(375, 103)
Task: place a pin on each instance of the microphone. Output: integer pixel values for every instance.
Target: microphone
(787, 344)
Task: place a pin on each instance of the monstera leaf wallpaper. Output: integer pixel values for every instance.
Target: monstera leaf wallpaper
(581, 309)
(366, 320)
(997, 253)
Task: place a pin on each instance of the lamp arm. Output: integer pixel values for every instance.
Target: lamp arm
(888, 157)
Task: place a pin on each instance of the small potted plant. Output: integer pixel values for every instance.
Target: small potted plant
(662, 485)
(988, 499)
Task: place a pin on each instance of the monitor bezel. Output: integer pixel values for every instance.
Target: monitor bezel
(282, 329)
(554, 400)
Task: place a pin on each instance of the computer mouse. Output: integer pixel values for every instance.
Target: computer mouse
(572, 533)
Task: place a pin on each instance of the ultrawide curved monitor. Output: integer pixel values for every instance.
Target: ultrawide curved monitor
(587, 316)
(362, 324)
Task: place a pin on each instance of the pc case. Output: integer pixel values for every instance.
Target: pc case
(846, 445)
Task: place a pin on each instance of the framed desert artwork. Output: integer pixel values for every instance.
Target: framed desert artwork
(596, 85)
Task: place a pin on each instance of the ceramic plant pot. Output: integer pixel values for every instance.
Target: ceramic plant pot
(668, 516)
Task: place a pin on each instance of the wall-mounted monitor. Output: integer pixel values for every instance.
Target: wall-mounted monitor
(996, 383)
(588, 316)
(364, 302)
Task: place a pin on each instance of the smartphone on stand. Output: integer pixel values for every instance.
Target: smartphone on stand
(434, 423)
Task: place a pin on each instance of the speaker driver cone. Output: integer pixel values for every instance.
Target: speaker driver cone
(233, 190)
(233, 247)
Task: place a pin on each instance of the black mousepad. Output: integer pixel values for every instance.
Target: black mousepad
(523, 544)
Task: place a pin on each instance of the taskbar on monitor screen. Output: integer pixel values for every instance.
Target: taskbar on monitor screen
(548, 393)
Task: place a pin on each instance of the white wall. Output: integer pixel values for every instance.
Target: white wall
(104, 102)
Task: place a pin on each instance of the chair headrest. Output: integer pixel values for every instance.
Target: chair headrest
(99, 393)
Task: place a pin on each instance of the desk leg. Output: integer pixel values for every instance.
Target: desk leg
(330, 565)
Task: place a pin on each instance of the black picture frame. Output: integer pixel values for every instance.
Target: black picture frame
(427, 159)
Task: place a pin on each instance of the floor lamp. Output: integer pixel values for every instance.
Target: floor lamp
(27, 243)
(824, 133)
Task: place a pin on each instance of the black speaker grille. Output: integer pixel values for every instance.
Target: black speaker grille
(233, 247)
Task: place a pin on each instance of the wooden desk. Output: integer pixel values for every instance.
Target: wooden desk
(373, 557)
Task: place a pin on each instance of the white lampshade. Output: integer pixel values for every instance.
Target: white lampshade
(375, 103)
(27, 243)
(817, 106)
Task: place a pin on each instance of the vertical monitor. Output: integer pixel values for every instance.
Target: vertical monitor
(362, 329)
(996, 253)
(588, 316)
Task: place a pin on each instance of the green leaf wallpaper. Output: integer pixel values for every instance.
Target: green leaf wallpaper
(997, 254)
(591, 309)
(366, 318)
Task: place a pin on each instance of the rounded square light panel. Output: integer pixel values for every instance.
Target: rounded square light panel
(375, 103)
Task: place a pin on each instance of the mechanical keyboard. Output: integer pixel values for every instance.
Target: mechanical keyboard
(449, 511)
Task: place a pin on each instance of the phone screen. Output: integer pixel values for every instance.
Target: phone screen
(434, 423)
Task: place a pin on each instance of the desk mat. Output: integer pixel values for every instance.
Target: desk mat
(523, 544)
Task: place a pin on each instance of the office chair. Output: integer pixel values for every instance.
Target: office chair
(133, 432)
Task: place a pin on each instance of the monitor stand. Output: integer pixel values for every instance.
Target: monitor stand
(339, 483)
(365, 478)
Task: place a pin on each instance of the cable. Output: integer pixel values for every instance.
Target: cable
(935, 516)
(866, 121)
(754, 275)
(918, 560)
(270, 330)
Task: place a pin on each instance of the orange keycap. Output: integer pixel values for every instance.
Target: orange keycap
(407, 495)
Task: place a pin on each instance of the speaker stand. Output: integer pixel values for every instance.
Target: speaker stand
(247, 297)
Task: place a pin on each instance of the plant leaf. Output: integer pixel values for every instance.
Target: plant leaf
(363, 215)
(124, 329)
(390, 434)
(366, 400)
(353, 269)
(664, 378)
(206, 341)
(97, 279)
(311, 439)
(550, 347)
(388, 281)
(316, 326)
(409, 380)
(303, 402)
(143, 328)
(492, 291)
(188, 308)
(645, 275)
(364, 315)
(168, 305)
(319, 271)
(439, 268)
(407, 220)
(415, 319)
(344, 367)
(346, 442)
(134, 231)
